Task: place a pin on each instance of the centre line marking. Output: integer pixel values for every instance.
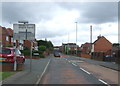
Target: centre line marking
(103, 82)
(85, 71)
(43, 73)
(74, 64)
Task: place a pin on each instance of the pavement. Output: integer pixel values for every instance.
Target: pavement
(28, 76)
(111, 65)
(38, 68)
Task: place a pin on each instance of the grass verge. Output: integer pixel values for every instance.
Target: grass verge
(6, 74)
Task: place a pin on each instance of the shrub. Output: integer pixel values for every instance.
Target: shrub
(26, 52)
(42, 56)
(42, 48)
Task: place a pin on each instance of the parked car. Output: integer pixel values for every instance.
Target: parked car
(9, 54)
(109, 56)
(56, 54)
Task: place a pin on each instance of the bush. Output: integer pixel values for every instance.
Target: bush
(42, 48)
(42, 56)
(26, 52)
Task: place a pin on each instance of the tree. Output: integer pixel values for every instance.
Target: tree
(116, 45)
(46, 43)
(42, 48)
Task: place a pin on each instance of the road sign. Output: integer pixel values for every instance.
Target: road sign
(24, 31)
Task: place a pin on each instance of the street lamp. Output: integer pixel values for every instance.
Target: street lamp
(91, 40)
(76, 38)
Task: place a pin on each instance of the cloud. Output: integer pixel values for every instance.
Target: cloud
(94, 12)
(31, 11)
(55, 20)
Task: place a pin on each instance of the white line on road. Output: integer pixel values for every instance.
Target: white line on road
(85, 71)
(74, 64)
(103, 82)
(0, 83)
(38, 81)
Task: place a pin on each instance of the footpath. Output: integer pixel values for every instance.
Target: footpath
(111, 65)
(26, 76)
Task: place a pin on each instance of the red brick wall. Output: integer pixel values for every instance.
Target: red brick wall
(27, 44)
(84, 55)
(102, 45)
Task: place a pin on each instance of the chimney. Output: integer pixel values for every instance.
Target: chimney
(99, 36)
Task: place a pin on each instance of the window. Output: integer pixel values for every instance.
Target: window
(7, 38)
(5, 51)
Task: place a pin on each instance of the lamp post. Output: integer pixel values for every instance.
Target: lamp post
(91, 41)
(76, 38)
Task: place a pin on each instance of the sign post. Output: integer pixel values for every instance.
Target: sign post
(24, 31)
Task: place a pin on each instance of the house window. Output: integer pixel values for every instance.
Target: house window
(7, 38)
(11, 39)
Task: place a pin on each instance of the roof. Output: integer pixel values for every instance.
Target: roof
(3, 30)
(100, 37)
(10, 31)
(86, 44)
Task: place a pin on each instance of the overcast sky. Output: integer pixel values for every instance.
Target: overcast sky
(56, 20)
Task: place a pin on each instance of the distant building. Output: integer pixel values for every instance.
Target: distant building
(70, 48)
(85, 48)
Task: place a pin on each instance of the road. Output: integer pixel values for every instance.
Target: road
(64, 70)
(75, 71)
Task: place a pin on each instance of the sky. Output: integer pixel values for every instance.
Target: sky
(55, 21)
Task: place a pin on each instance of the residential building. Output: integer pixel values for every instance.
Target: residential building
(70, 48)
(85, 50)
(101, 47)
(27, 44)
(6, 36)
(6, 39)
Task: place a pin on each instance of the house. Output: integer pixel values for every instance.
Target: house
(85, 50)
(10, 36)
(27, 44)
(6, 39)
(6, 36)
(101, 47)
(70, 48)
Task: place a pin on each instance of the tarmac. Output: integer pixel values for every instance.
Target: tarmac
(33, 75)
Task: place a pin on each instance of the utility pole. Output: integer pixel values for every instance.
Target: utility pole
(68, 45)
(91, 40)
(76, 38)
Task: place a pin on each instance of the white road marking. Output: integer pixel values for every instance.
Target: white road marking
(38, 81)
(85, 71)
(103, 82)
(74, 64)
(0, 83)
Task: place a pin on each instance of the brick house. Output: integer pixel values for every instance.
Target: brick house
(27, 44)
(6, 36)
(101, 47)
(85, 48)
(70, 48)
(10, 36)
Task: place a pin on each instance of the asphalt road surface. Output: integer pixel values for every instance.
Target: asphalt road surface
(67, 71)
